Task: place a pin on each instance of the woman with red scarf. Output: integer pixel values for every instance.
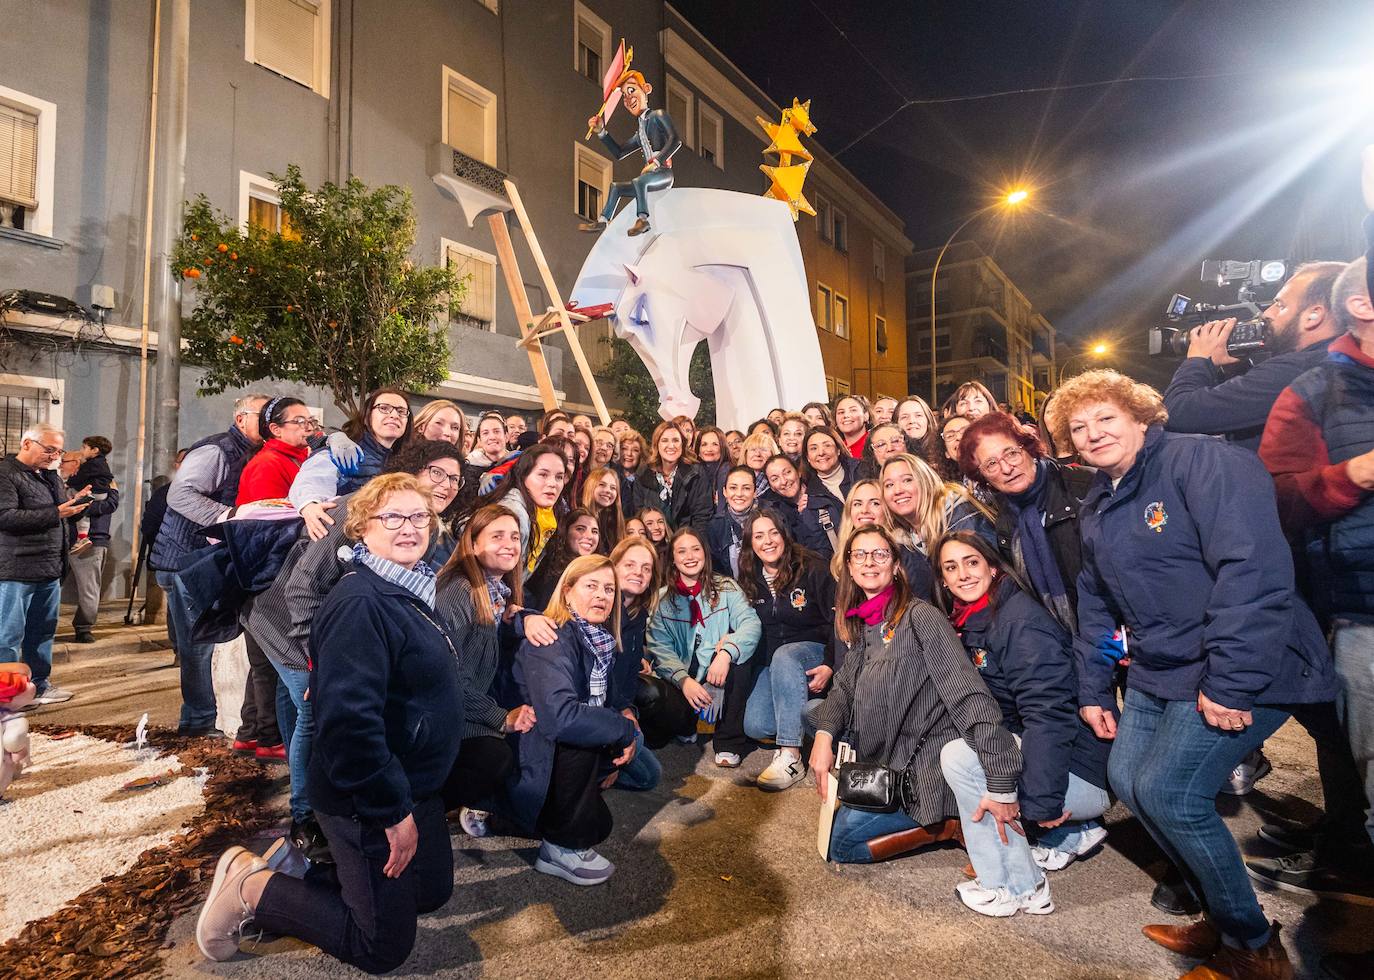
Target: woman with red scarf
(701, 637)
(1026, 659)
(904, 690)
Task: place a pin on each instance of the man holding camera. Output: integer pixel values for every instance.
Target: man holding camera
(1205, 398)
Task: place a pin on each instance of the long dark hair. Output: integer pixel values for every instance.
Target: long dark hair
(1005, 573)
(794, 556)
(710, 581)
(357, 426)
(515, 478)
(463, 563)
(848, 594)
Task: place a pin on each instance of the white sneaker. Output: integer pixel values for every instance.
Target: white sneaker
(53, 695)
(579, 867)
(1244, 777)
(473, 822)
(224, 913)
(1051, 859)
(686, 739)
(786, 770)
(727, 760)
(1000, 903)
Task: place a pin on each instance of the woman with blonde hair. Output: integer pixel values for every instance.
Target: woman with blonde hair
(864, 505)
(791, 433)
(632, 466)
(923, 507)
(579, 736)
(601, 499)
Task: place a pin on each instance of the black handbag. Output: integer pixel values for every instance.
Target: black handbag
(875, 788)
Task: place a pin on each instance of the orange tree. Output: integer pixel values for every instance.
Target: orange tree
(332, 301)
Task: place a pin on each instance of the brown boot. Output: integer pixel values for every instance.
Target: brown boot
(906, 841)
(640, 226)
(1197, 940)
(1269, 962)
(592, 226)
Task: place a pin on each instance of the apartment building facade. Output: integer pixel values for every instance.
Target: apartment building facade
(986, 329)
(344, 88)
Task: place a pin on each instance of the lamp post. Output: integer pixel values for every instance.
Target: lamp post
(1096, 350)
(1011, 200)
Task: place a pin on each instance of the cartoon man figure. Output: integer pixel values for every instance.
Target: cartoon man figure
(657, 139)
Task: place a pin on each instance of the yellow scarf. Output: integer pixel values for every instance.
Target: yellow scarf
(544, 525)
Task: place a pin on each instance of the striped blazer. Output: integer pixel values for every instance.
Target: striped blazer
(903, 693)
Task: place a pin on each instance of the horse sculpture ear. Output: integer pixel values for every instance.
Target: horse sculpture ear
(633, 272)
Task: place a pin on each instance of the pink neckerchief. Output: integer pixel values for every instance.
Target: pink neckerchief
(871, 611)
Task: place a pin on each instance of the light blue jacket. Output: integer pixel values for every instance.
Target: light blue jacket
(679, 650)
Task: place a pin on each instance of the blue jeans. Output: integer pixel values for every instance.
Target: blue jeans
(775, 708)
(1167, 766)
(998, 865)
(197, 686)
(1352, 645)
(853, 829)
(28, 621)
(298, 732)
(644, 770)
(1086, 802)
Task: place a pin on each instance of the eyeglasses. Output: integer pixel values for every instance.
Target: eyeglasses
(47, 450)
(306, 424)
(1013, 457)
(392, 522)
(879, 556)
(438, 475)
(400, 411)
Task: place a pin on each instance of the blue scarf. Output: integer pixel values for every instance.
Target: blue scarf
(374, 458)
(498, 592)
(418, 581)
(1028, 507)
(601, 642)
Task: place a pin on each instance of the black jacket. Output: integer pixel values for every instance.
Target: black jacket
(388, 702)
(1065, 488)
(33, 538)
(690, 504)
(480, 657)
(803, 613)
(1026, 660)
(1201, 399)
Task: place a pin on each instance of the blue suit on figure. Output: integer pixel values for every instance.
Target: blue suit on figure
(656, 138)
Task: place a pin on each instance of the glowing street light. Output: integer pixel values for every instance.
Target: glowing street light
(1099, 349)
(1012, 199)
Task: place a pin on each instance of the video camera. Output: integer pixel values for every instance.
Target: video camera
(1251, 333)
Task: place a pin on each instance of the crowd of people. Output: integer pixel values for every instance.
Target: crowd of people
(996, 623)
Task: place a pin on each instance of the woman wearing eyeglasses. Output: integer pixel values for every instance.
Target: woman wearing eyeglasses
(1038, 499)
(388, 715)
(382, 422)
(904, 689)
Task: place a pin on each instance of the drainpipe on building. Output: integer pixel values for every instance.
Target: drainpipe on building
(171, 184)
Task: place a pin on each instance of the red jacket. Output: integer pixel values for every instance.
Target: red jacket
(270, 472)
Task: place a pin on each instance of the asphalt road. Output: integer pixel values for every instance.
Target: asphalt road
(717, 879)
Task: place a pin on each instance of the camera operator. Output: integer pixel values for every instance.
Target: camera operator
(1203, 398)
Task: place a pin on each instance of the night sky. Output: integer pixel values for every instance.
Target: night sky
(1135, 183)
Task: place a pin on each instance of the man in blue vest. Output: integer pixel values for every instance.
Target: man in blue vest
(655, 138)
(201, 494)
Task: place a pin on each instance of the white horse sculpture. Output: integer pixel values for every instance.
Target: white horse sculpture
(718, 266)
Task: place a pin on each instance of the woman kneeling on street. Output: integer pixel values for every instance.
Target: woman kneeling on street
(1026, 660)
(906, 688)
(579, 738)
(388, 722)
(1182, 547)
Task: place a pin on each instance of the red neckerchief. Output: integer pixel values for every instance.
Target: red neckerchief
(691, 592)
(871, 611)
(964, 610)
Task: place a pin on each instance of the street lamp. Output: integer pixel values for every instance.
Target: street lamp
(1011, 200)
(1098, 349)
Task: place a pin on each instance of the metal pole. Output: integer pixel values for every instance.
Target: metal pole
(171, 186)
(141, 447)
(934, 404)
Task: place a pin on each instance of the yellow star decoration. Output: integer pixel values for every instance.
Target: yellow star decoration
(785, 141)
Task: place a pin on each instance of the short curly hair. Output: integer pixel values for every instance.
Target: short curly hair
(994, 424)
(367, 502)
(1137, 399)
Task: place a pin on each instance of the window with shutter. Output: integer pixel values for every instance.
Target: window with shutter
(479, 269)
(824, 308)
(469, 123)
(879, 261)
(841, 316)
(286, 38)
(880, 334)
(678, 102)
(18, 156)
(591, 182)
(840, 230)
(711, 135)
(591, 43)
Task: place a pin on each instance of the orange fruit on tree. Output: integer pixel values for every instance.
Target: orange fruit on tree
(221, 247)
(191, 273)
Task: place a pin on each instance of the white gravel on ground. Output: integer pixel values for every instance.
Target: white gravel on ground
(67, 823)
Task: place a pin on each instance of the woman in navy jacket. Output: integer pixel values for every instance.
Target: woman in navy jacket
(1182, 548)
(579, 737)
(1026, 660)
(388, 721)
(828, 471)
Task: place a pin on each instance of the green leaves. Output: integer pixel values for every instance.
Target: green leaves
(331, 298)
